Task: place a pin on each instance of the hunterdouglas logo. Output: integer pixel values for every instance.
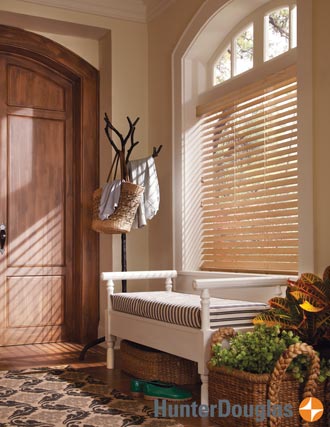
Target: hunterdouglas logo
(311, 409)
(222, 409)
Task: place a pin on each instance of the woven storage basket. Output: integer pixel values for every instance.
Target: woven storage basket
(122, 219)
(245, 389)
(150, 364)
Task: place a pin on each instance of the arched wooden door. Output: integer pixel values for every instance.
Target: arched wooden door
(48, 169)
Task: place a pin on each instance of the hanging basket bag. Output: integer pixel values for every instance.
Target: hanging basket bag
(121, 220)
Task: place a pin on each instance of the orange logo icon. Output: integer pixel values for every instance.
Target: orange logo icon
(311, 409)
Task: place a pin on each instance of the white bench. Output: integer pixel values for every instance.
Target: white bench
(189, 342)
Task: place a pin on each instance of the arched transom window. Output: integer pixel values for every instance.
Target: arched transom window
(268, 35)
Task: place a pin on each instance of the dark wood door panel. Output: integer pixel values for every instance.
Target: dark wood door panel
(33, 88)
(44, 293)
(37, 285)
(50, 93)
(36, 192)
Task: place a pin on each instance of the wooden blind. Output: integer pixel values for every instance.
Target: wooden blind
(250, 178)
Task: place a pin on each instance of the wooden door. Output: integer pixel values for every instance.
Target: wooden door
(36, 190)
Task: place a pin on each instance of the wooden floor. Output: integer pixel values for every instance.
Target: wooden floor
(27, 356)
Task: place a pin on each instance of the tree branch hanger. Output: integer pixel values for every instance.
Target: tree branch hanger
(121, 151)
(124, 157)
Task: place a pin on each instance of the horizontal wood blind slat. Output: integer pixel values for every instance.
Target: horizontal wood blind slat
(250, 178)
(242, 116)
(271, 111)
(236, 106)
(272, 82)
(252, 257)
(268, 158)
(261, 244)
(276, 178)
(257, 164)
(257, 267)
(256, 132)
(252, 232)
(250, 270)
(263, 196)
(248, 204)
(278, 235)
(225, 167)
(245, 226)
(232, 217)
(269, 145)
(235, 174)
(260, 186)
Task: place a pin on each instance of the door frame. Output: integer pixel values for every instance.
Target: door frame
(85, 83)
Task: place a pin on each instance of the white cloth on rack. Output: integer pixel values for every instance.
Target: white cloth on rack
(143, 172)
(109, 198)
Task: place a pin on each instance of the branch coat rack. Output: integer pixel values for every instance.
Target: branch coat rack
(124, 156)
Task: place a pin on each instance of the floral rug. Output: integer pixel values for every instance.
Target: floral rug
(47, 397)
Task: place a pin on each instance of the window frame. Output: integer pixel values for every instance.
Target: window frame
(189, 60)
(257, 19)
(291, 6)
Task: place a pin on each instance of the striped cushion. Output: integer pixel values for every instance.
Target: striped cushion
(184, 309)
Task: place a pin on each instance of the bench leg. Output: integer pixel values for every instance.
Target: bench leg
(205, 389)
(111, 352)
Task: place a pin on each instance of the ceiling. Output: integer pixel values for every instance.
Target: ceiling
(130, 10)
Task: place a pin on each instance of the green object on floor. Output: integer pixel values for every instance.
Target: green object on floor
(152, 390)
(138, 384)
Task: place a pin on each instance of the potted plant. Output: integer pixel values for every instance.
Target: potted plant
(250, 377)
(245, 371)
(305, 310)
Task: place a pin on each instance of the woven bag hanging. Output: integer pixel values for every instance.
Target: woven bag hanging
(120, 222)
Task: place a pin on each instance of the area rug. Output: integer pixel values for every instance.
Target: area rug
(48, 397)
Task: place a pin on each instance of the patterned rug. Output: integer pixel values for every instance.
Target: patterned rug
(48, 397)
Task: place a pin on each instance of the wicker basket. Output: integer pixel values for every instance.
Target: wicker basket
(122, 219)
(150, 364)
(245, 389)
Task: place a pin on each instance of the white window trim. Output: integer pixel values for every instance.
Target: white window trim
(256, 18)
(183, 121)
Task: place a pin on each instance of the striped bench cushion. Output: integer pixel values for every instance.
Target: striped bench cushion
(184, 309)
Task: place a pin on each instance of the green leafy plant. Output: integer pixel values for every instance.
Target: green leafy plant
(257, 352)
(305, 309)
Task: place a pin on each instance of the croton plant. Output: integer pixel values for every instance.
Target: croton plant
(305, 309)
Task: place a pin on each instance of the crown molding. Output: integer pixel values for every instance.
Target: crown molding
(156, 7)
(130, 10)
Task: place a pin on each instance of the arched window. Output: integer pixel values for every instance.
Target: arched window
(278, 35)
(238, 141)
(280, 31)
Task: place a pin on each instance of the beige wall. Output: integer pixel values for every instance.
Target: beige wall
(321, 112)
(86, 48)
(163, 35)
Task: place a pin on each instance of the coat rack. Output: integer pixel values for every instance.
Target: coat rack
(124, 159)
